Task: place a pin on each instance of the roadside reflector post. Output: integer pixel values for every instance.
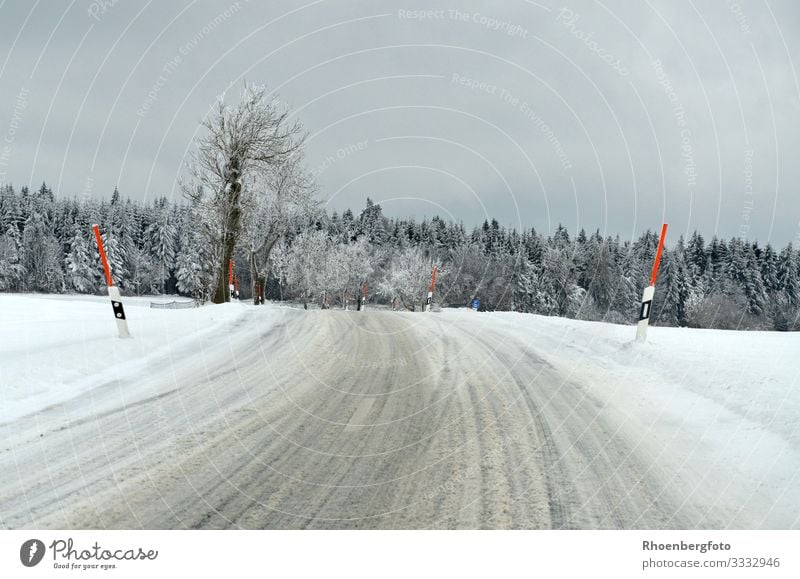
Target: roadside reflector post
(363, 298)
(644, 313)
(429, 300)
(649, 292)
(230, 279)
(113, 291)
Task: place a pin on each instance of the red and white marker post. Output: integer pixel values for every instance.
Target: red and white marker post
(430, 291)
(363, 304)
(649, 292)
(230, 279)
(113, 291)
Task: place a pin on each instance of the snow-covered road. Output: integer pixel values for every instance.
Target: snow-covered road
(327, 419)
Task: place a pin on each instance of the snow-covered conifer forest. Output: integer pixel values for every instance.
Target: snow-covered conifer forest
(156, 247)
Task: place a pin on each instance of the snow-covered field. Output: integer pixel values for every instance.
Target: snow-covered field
(56, 347)
(692, 428)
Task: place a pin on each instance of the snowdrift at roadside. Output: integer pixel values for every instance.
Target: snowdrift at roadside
(56, 347)
(717, 411)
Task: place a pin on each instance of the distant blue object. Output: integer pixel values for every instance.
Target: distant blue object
(476, 304)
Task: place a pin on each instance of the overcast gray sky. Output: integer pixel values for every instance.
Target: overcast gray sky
(615, 115)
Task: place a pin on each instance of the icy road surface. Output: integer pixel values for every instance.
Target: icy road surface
(283, 418)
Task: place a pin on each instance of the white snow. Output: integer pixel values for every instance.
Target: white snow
(752, 374)
(717, 410)
(55, 347)
(720, 409)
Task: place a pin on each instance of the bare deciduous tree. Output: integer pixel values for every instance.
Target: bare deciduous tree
(407, 279)
(286, 195)
(348, 267)
(241, 141)
(303, 264)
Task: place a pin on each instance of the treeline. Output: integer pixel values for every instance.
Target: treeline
(157, 247)
(46, 244)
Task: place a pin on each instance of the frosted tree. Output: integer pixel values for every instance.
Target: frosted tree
(754, 290)
(715, 275)
(538, 295)
(117, 260)
(468, 278)
(11, 223)
(302, 264)
(602, 274)
(673, 289)
(350, 265)
(41, 257)
(82, 262)
(697, 261)
(585, 251)
(142, 272)
(372, 224)
(527, 288)
(348, 225)
(241, 140)
(43, 202)
(769, 270)
(192, 266)
(287, 197)
(329, 275)
(789, 276)
(10, 266)
(558, 277)
(784, 300)
(120, 225)
(160, 243)
(627, 297)
(735, 266)
(407, 278)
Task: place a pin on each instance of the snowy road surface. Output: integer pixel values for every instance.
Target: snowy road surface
(328, 419)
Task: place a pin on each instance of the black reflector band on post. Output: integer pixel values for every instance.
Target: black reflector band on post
(644, 314)
(119, 312)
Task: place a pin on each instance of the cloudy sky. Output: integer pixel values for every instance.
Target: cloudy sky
(615, 115)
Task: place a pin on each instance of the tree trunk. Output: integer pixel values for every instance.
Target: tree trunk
(256, 281)
(261, 285)
(259, 278)
(222, 293)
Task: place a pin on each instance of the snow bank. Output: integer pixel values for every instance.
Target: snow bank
(55, 348)
(753, 374)
(718, 410)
